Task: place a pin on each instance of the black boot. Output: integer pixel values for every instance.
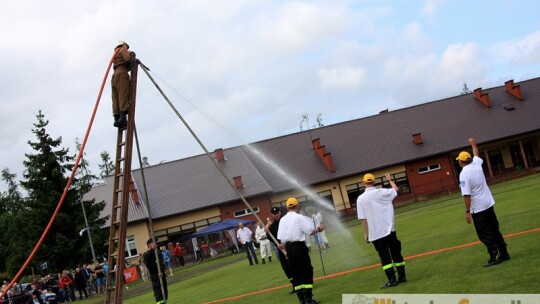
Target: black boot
(391, 278)
(269, 259)
(300, 295)
(308, 297)
(263, 261)
(116, 117)
(402, 278)
(503, 253)
(492, 258)
(122, 121)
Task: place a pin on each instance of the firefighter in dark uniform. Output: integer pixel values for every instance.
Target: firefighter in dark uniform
(272, 227)
(157, 276)
(292, 232)
(120, 84)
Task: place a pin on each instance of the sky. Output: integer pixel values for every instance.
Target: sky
(241, 71)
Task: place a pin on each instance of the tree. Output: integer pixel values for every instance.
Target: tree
(9, 202)
(107, 165)
(45, 180)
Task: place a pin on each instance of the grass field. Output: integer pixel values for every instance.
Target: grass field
(422, 227)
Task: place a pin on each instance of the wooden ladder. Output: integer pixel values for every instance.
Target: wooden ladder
(120, 201)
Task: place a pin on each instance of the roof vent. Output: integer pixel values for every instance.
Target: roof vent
(218, 154)
(509, 107)
(238, 182)
(513, 89)
(417, 139)
(482, 97)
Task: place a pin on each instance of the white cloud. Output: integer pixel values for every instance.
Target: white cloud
(342, 78)
(521, 51)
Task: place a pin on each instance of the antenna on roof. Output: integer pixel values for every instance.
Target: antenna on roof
(465, 89)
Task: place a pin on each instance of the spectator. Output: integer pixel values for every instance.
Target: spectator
(100, 278)
(262, 239)
(80, 283)
(167, 259)
(179, 255)
(197, 250)
(243, 234)
(65, 290)
(142, 268)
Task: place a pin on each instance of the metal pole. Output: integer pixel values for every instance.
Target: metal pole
(88, 231)
(319, 245)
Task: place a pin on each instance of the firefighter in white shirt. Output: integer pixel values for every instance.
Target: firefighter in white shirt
(480, 203)
(376, 211)
(262, 239)
(243, 234)
(292, 232)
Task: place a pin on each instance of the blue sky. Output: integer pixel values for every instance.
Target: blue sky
(248, 70)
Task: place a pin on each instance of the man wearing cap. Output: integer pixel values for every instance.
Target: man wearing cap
(480, 203)
(157, 275)
(272, 228)
(121, 84)
(292, 233)
(376, 211)
(243, 234)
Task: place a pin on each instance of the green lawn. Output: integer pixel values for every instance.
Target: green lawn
(422, 227)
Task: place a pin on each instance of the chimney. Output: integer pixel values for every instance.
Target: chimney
(329, 162)
(134, 192)
(514, 89)
(482, 97)
(238, 182)
(316, 143)
(325, 157)
(218, 154)
(417, 139)
(321, 151)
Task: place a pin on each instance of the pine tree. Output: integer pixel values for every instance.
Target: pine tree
(107, 165)
(45, 179)
(9, 203)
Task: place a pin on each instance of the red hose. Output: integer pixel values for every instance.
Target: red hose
(64, 194)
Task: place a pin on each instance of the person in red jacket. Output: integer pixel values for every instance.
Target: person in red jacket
(65, 282)
(179, 254)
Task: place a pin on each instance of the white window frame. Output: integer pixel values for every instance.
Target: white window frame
(429, 168)
(130, 241)
(245, 212)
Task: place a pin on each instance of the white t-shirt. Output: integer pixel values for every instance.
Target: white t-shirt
(260, 234)
(244, 235)
(294, 227)
(375, 205)
(473, 182)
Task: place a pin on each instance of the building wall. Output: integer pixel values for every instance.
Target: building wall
(332, 186)
(227, 210)
(186, 218)
(140, 231)
(432, 181)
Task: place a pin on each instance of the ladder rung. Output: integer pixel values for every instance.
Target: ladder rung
(122, 144)
(112, 271)
(118, 206)
(118, 190)
(114, 254)
(116, 238)
(121, 159)
(120, 174)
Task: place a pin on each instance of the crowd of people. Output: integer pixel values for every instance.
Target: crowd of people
(59, 288)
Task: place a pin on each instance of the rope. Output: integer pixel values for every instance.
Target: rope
(70, 180)
(145, 69)
(147, 206)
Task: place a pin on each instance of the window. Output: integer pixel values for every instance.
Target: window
(131, 247)
(430, 168)
(245, 212)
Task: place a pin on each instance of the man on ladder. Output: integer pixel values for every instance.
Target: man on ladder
(120, 84)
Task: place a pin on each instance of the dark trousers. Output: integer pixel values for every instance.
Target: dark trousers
(180, 260)
(487, 229)
(120, 84)
(389, 250)
(284, 262)
(250, 251)
(300, 266)
(157, 287)
(81, 293)
(198, 256)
